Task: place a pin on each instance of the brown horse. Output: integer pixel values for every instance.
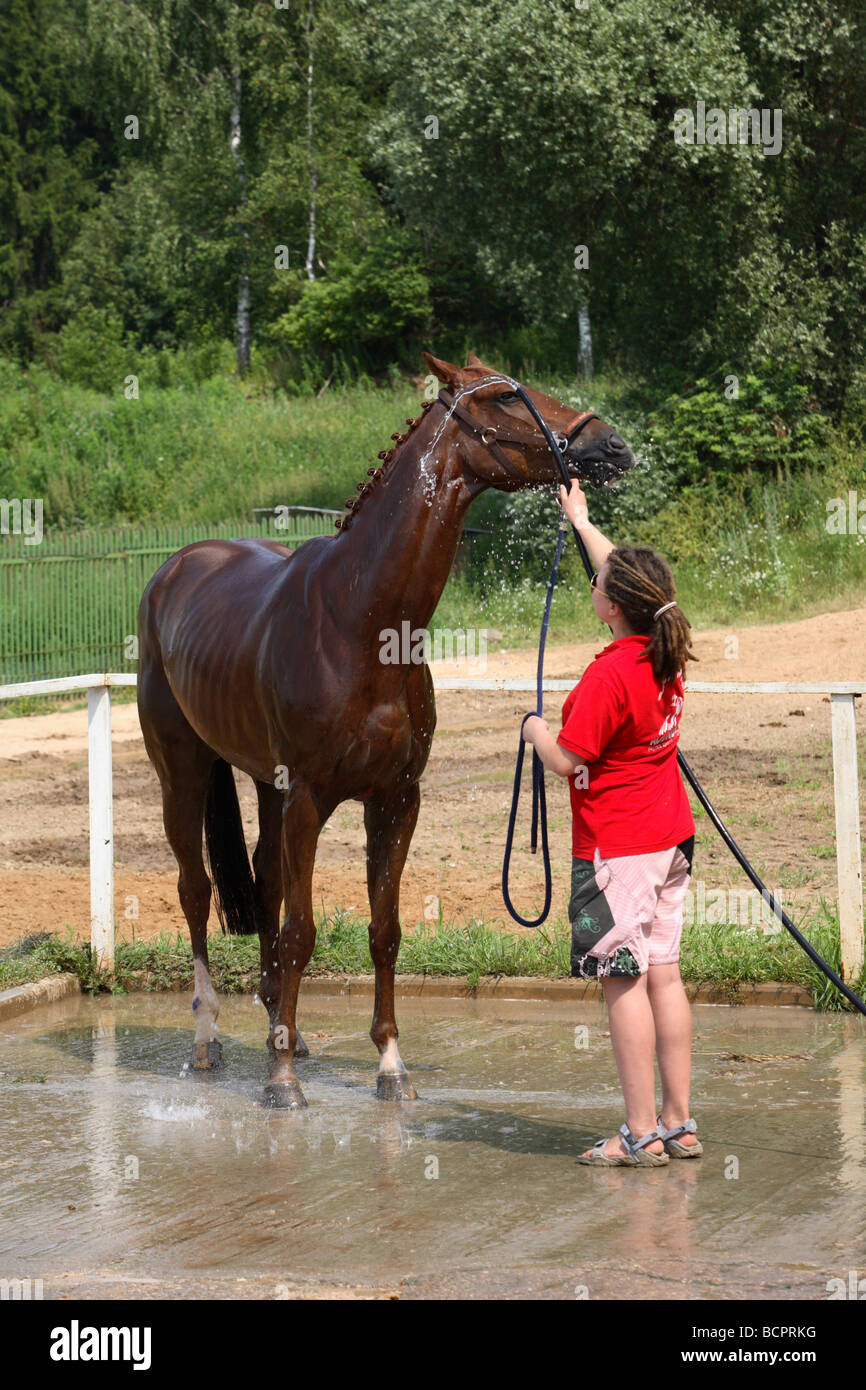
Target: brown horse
(270, 660)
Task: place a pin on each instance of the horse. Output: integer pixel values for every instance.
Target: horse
(267, 659)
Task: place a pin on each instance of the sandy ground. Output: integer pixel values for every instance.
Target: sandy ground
(765, 761)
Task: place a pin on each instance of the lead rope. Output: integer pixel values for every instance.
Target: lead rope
(539, 806)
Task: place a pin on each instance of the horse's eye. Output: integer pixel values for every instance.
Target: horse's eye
(508, 398)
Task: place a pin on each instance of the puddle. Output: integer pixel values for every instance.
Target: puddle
(115, 1160)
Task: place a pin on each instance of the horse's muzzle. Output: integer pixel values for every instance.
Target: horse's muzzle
(600, 461)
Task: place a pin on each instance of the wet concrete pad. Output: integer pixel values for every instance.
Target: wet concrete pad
(125, 1175)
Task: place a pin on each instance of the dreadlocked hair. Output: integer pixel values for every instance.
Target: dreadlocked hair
(374, 474)
(641, 582)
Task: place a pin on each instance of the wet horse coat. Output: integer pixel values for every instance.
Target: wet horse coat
(270, 660)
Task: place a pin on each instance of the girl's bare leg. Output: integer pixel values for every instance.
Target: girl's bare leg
(632, 1035)
(673, 1039)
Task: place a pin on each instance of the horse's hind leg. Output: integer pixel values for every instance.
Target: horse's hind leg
(267, 867)
(303, 818)
(183, 813)
(184, 764)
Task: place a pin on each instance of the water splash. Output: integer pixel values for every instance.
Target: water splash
(170, 1112)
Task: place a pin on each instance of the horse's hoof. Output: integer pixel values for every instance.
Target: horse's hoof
(395, 1086)
(207, 1056)
(301, 1049)
(284, 1095)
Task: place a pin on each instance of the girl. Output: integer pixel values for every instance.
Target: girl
(632, 838)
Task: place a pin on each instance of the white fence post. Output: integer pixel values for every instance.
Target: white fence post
(101, 826)
(848, 861)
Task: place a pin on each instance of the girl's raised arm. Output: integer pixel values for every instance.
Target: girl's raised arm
(574, 505)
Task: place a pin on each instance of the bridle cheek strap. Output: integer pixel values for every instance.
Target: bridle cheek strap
(521, 440)
(492, 445)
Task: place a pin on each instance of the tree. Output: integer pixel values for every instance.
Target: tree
(48, 163)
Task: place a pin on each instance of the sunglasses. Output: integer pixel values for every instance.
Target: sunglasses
(593, 584)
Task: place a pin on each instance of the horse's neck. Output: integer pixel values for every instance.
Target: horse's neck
(396, 554)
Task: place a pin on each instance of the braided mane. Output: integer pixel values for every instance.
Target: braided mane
(352, 504)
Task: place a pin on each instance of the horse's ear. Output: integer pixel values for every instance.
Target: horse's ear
(444, 371)
(473, 361)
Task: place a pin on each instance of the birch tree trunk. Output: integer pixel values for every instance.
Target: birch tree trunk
(243, 315)
(311, 240)
(584, 350)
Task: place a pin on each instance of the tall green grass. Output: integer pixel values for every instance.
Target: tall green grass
(209, 453)
(754, 549)
(725, 956)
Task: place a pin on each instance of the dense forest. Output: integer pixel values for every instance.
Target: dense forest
(329, 183)
(227, 231)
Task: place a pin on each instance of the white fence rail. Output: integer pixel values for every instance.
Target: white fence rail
(845, 785)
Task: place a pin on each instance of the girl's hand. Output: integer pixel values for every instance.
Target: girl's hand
(532, 725)
(574, 504)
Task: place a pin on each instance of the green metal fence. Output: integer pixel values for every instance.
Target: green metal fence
(69, 605)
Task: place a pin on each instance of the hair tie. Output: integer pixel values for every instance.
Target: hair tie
(664, 609)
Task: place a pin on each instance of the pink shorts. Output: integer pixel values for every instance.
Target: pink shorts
(626, 911)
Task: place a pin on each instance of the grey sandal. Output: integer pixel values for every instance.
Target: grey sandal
(636, 1155)
(669, 1137)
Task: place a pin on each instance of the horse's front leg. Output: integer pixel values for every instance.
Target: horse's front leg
(390, 822)
(302, 822)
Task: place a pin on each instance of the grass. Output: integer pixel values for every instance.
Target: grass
(724, 956)
(756, 547)
(822, 574)
(754, 551)
(180, 454)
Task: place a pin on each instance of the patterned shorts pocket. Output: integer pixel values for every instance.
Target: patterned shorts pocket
(591, 921)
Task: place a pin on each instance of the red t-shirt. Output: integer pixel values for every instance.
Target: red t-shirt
(624, 724)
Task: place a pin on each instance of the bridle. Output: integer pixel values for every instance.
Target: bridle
(493, 436)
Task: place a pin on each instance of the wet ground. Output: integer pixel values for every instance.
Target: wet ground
(122, 1175)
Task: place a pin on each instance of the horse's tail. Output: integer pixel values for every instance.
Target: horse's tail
(234, 894)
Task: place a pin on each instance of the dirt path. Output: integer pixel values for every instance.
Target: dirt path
(765, 760)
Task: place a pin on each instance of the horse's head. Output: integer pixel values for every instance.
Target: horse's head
(514, 452)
